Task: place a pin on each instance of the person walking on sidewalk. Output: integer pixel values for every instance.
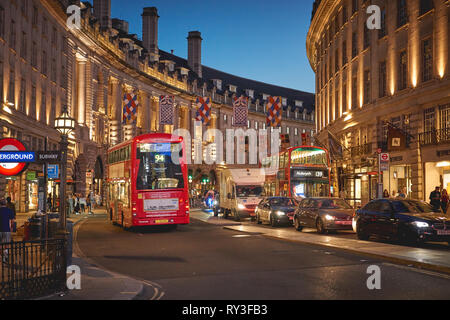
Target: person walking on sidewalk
(83, 204)
(11, 205)
(6, 219)
(444, 201)
(435, 199)
(89, 205)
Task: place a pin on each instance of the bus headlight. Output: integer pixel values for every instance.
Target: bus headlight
(241, 207)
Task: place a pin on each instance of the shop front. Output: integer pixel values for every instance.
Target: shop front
(437, 174)
(359, 185)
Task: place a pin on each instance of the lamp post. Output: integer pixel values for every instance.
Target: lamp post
(64, 124)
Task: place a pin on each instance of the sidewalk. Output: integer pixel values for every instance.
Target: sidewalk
(431, 259)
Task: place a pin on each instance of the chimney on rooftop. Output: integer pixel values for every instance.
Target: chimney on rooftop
(102, 11)
(150, 32)
(195, 52)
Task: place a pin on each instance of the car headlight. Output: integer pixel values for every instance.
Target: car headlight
(280, 213)
(241, 206)
(420, 224)
(330, 218)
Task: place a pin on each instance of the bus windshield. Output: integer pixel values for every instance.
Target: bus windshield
(156, 169)
(248, 191)
(309, 156)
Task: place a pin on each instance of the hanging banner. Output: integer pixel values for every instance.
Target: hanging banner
(130, 106)
(240, 111)
(166, 107)
(203, 110)
(274, 112)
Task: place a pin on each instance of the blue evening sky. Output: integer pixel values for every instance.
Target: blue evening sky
(262, 40)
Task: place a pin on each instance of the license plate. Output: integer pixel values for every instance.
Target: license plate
(443, 232)
(160, 205)
(345, 223)
(161, 221)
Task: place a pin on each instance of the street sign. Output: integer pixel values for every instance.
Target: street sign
(48, 157)
(384, 166)
(385, 157)
(53, 171)
(13, 150)
(31, 175)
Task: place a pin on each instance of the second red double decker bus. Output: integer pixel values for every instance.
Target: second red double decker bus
(147, 181)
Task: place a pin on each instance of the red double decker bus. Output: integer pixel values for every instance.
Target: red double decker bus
(147, 181)
(298, 172)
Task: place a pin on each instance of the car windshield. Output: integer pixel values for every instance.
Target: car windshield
(248, 191)
(333, 204)
(281, 202)
(409, 206)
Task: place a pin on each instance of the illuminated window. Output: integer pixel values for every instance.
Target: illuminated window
(427, 60)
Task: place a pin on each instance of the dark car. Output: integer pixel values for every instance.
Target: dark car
(324, 214)
(411, 221)
(276, 210)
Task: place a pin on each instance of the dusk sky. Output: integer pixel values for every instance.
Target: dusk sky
(262, 40)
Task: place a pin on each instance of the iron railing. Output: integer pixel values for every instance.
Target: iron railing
(435, 137)
(31, 269)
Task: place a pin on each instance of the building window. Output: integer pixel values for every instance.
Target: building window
(366, 37)
(426, 6)
(1, 81)
(344, 14)
(33, 100)
(354, 45)
(444, 115)
(336, 61)
(44, 63)
(23, 48)
(354, 92)
(23, 96)
(24, 8)
(344, 96)
(44, 26)
(427, 60)
(354, 6)
(34, 19)
(383, 31)
(43, 104)
(383, 79)
(12, 86)
(367, 91)
(429, 120)
(403, 70)
(12, 41)
(54, 36)
(2, 22)
(402, 13)
(336, 103)
(344, 53)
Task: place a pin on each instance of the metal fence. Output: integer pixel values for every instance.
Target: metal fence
(435, 137)
(32, 269)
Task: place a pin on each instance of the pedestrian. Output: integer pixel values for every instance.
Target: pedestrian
(394, 193)
(6, 220)
(401, 194)
(83, 204)
(77, 204)
(385, 193)
(435, 199)
(98, 200)
(11, 205)
(49, 203)
(89, 205)
(92, 198)
(70, 202)
(444, 201)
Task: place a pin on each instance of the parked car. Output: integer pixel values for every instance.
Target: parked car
(324, 214)
(276, 210)
(411, 221)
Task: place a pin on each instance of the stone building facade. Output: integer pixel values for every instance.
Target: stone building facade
(45, 65)
(368, 81)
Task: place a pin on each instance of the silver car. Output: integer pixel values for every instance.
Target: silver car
(324, 214)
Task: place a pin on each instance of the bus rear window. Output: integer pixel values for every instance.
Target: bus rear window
(157, 171)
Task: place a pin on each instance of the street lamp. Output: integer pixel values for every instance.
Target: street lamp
(64, 124)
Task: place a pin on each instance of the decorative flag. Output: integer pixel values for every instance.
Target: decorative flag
(166, 114)
(335, 148)
(203, 110)
(130, 105)
(274, 112)
(240, 111)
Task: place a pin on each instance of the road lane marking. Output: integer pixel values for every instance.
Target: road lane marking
(414, 269)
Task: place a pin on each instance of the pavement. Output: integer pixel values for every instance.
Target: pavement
(429, 259)
(96, 283)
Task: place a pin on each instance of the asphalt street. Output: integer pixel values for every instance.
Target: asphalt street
(204, 261)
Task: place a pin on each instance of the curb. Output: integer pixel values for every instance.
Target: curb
(400, 261)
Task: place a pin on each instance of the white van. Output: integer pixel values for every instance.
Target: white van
(240, 192)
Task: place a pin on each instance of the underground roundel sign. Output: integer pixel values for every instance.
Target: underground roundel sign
(13, 150)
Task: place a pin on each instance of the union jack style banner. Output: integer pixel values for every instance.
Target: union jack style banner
(130, 105)
(166, 114)
(203, 110)
(240, 111)
(274, 114)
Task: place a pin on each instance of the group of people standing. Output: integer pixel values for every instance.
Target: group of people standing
(79, 204)
(439, 199)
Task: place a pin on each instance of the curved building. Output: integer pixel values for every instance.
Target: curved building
(56, 53)
(385, 89)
